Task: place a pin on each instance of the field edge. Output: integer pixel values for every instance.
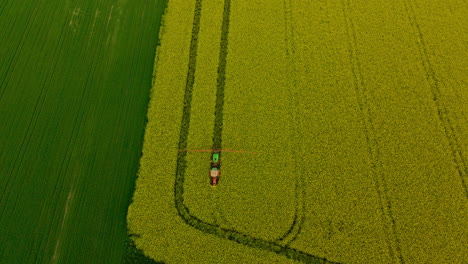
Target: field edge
(133, 254)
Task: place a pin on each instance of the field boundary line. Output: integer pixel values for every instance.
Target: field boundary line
(437, 97)
(182, 210)
(393, 241)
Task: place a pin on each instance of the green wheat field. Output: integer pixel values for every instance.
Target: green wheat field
(75, 78)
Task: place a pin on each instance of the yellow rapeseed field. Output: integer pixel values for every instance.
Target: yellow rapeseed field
(356, 112)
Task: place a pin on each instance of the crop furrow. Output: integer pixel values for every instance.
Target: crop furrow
(23, 146)
(72, 144)
(2, 6)
(437, 97)
(13, 63)
(48, 82)
(62, 168)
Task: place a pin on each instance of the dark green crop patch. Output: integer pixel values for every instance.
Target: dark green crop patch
(75, 78)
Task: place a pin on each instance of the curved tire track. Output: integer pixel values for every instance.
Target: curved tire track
(182, 210)
(300, 212)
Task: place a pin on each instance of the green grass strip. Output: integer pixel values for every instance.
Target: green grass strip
(182, 209)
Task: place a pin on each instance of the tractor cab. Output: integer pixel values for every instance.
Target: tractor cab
(215, 158)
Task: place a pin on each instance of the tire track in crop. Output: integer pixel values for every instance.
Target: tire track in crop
(182, 209)
(221, 80)
(442, 112)
(299, 215)
(220, 83)
(373, 150)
